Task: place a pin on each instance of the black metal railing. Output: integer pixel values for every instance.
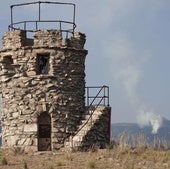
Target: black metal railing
(103, 96)
(60, 24)
(97, 95)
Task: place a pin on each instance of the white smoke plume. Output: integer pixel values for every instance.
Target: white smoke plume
(128, 74)
(125, 65)
(150, 119)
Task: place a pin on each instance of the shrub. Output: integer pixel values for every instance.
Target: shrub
(51, 167)
(4, 161)
(91, 164)
(25, 165)
(58, 163)
(69, 157)
(17, 150)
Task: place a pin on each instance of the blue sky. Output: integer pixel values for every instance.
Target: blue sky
(128, 43)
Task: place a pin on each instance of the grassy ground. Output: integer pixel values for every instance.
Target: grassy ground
(116, 158)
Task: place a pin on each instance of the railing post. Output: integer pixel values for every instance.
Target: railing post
(74, 14)
(60, 25)
(91, 118)
(25, 25)
(66, 35)
(39, 15)
(11, 15)
(108, 96)
(104, 94)
(87, 96)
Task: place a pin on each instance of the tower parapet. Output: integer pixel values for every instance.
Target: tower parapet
(14, 39)
(45, 38)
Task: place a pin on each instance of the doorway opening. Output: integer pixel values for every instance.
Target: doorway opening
(44, 132)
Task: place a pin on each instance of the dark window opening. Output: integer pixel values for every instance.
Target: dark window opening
(43, 64)
(8, 65)
(8, 60)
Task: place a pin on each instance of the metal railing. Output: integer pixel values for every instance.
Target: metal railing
(97, 95)
(103, 96)
(35, 23)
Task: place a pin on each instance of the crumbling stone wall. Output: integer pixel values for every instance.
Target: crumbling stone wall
(26, 93)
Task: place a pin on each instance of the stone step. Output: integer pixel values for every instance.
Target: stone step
(83, 132)
(85, 127)
(78, 138)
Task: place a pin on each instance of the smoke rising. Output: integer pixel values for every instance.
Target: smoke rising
(124, 59)
(125, 44)
(150, 119)
(128, 76)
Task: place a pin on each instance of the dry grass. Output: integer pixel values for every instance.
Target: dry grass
(140, 140)
(117, 158)
(132, 152)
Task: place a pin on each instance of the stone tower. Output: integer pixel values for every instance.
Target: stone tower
(43, 89)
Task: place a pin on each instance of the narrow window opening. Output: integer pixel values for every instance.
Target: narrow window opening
(8, 60)
(43, 64)
(8, 65)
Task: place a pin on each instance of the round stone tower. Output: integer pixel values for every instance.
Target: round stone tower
(42, 86)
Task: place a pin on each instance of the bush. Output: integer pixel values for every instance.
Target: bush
(4, 161)
(91, 164)
(25, 165)
(17, 150)
(58, 163)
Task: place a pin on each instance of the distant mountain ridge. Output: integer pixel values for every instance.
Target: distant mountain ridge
(166, 122)
(133, 129)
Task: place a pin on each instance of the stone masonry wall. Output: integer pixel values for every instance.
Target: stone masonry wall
(26, 93)
(98, 135)
(94, 132)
